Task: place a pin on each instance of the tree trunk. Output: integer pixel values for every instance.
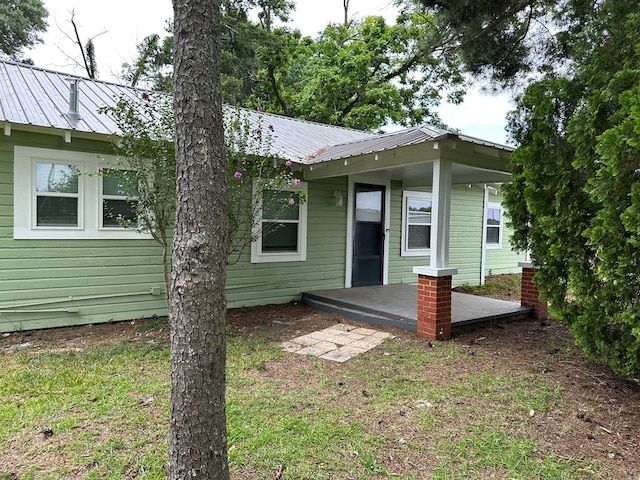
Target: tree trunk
(345, 4)
(197, 432)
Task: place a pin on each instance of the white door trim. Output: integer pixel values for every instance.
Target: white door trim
(371, 180)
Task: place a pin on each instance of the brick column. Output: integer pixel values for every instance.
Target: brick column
(530, 295)
(434, 302)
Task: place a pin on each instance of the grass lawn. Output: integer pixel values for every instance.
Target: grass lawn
(513, 401)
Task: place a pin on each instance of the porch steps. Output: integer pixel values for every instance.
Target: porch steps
(359, 312)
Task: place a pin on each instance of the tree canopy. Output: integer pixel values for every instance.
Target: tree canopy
(362, 73)
(20, 23)
(575, 197)
(498, 40)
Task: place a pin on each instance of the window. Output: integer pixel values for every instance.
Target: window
(416, 223)
(118, 209)
(493, 234)
(281, 228)
(57, 195)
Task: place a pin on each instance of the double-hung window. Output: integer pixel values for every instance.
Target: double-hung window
(493, 232)
(56, 195)
(280, 229)
(118, 207)
(416, 223)
(63, 194)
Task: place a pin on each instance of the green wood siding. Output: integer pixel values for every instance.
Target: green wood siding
(465, 245)
(262, 283)
(401, 268)
(502, 260)
(104, 280)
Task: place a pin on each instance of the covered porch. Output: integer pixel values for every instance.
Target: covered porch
(429, 163)
(395, 305)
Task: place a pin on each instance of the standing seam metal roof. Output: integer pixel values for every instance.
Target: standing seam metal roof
(38, 97)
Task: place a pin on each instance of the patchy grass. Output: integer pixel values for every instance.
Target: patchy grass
(505, 287)
(493, 403)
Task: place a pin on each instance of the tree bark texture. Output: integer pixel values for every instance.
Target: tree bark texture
(197, 431)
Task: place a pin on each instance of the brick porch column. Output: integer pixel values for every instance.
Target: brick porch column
(530, 295)
(434, 302)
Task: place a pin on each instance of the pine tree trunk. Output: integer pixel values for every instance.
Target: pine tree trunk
(197, 432)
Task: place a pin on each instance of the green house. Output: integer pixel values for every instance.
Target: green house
(378, 206)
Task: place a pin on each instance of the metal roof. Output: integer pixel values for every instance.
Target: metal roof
(36, 97)
(299, 139)
(389, 141)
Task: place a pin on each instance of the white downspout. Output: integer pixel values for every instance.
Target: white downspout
(483, 254)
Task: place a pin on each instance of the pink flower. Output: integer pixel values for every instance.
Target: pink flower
(238, 174)
(288, 163)
(296, 181)
(145, 96)
(291, 201)
(259, 108)
(256, 131)
(99, 170)
(270, 127)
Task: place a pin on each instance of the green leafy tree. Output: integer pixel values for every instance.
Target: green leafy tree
(146, 170)
(152, 68)
(362, 75)
(240, 37)
(146, 165)
(20, 23)
(498, 40)
(575, 197)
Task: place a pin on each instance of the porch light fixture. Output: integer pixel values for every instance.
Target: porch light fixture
(338, 196)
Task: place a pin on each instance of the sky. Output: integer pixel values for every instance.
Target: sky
(119, 25)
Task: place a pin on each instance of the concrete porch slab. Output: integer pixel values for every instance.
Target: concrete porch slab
(396, 305)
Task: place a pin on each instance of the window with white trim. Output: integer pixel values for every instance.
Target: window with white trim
(493, 222)
(281, 227)
(119, 206)
(416, 223)
(58, 194)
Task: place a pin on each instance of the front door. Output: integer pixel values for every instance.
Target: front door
(368, 237)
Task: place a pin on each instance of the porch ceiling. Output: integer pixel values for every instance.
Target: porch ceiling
(421, 174)
(413, 164)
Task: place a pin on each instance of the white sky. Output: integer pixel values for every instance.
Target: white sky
(127, 22)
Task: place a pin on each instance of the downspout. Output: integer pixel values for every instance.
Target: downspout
(483, 254)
